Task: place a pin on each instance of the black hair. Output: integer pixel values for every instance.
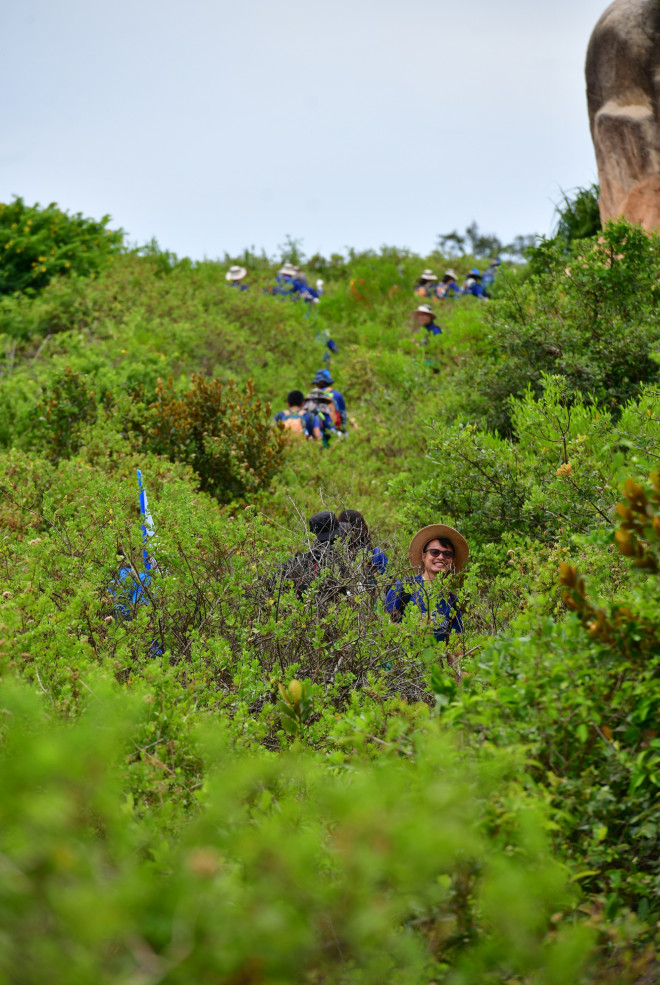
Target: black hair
(295, 398)
(443, 541)
(358, 535)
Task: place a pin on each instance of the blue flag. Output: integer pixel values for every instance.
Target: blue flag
(148, 529)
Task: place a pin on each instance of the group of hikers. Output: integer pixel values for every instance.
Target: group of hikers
(476, 284)
(290, 282)
(435, 551)
(319, 416)
(331, 572)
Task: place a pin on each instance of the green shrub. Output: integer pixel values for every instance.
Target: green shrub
(583, 696)
(56, 422)
(287, 872)
(591, 317)
(578, 216)
(40, 243)
(225, 435)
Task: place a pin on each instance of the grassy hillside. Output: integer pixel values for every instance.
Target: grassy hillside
(176, 807)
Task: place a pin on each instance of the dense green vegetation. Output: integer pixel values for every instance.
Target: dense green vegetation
(298, 790)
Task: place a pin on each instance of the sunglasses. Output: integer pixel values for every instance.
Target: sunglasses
(436, 552)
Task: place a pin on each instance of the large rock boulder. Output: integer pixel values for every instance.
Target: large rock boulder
(623, 95)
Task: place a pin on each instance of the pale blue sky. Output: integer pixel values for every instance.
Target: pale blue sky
(214, 125)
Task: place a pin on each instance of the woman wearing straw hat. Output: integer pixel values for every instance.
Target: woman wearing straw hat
(448, 287)
(435, 551)
(235, 275)
(425, 286)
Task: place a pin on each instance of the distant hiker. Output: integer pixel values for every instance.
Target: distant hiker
(358, 541)
(448, 287)
(435, 552)
(235, 275)
(321, 559)
(291, 282)
(324, 381)
(488, 278)
(425, 316)
(473, 284)
(425, 286)
(298, 421)
(319, 403)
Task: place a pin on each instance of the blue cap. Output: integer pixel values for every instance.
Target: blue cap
(475, 272)
(322, 376)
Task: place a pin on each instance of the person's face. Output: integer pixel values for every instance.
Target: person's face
(437, 559)
(424, 319)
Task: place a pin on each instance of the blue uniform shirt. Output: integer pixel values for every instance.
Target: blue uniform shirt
(446, 616)
(379, 560)
(293, 287)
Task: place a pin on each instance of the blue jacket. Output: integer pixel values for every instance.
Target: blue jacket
(433, 328)
(474, 287)
(446, 616)
(445, 290)
(294, 288)
(379, 560)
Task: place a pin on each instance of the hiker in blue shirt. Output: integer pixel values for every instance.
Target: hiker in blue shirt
(358, 539)
(425, 316)
(448, 287)
(291, 283)
(425, 286)
(234, 276)
(473, 284)
(298, 421)
(324, 381)
(435, 552)
(488, 278)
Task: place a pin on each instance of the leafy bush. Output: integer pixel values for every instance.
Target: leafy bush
(39, 244)
(57, 421)
(225, 435)
(579, 215)
(591, 317)
(287, 872)
(583, 695)
(558, 478)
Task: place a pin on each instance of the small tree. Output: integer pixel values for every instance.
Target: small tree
(37, 244)
(225, 434)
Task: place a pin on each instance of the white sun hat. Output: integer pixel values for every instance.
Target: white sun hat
(235, 273)
(424, 309)
(427, 275)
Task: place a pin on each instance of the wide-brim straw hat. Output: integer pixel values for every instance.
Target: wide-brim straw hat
(288, 270)
(451, 273)
(428, 275)
(236, 273)
(433, 532)
(424, 309)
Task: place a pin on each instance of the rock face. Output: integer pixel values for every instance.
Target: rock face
(623, 95)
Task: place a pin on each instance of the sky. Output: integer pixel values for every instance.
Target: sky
(214, 126)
